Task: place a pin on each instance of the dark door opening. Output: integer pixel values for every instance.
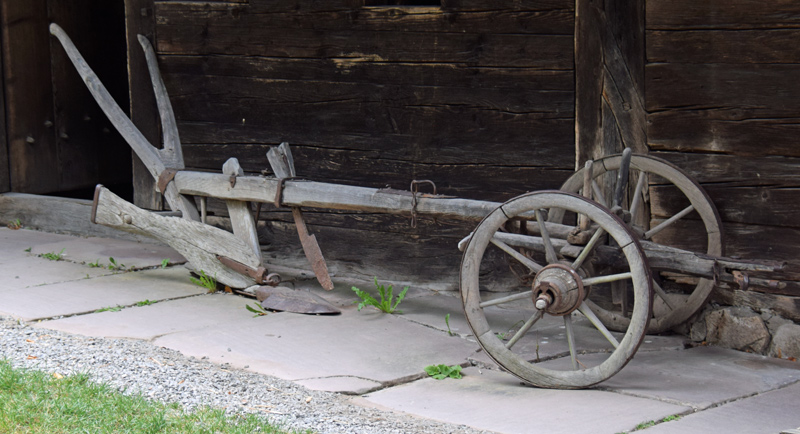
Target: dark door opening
(57, 140)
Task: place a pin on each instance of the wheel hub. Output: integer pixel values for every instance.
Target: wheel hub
(557, 290)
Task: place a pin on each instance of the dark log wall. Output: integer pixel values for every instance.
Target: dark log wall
(476, 95)
(723, 101)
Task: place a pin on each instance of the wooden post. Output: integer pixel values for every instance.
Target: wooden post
(609, 78)
(140, 19)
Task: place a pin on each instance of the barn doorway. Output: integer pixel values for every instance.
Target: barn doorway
(55, 140)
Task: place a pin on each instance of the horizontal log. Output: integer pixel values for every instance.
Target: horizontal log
(244, 34)
(722, 14)
(358, 70)
(738, 202)
(327, 5)
(723, 46)
(733, 91)
(237, 98)
(701, 131)
(57, 214)
(723, 168)
(502, 140)
(541, 19)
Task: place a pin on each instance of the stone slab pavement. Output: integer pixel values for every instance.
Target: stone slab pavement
(379, 359)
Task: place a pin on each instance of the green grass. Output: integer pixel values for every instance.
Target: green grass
(35, 402)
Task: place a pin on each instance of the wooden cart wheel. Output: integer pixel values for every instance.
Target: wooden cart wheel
(582, 351)
(669, 310)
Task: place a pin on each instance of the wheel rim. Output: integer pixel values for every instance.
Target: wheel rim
(678, 310)
(516, 358)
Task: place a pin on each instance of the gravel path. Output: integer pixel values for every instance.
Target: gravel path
(166, 375)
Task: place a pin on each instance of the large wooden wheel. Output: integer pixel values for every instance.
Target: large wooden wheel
(557, 340)
(689, 202)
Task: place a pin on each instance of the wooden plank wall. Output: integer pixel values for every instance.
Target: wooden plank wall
(723, 101)
(476, 95)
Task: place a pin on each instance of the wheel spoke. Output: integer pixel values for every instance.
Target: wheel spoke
(533, 266)
(550, 252)
(524, 329)
(588, 248)
(660, 291)
(589, 314)
(619, 294)
(598, 194)
(606, 279)
(571, 341)
(519, 296)
(637, 196)
(668, 222)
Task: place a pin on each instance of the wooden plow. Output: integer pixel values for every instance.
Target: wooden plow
(568, 251)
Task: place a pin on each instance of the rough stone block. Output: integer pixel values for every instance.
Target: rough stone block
(786, 341)
(738, 328)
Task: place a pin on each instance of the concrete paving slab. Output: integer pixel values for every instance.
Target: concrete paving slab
(14, 242)
(28, 271)
(88, 295)
(700, 377)
(98, 250)
(547, 338)
(149, 322)
(367, 345)
(496, 401)
(342, 294)
(767, 413)
(344, 384)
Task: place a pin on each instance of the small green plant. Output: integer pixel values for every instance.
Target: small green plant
(15, 224)
(447, 323)
(29, 249)
(501, 336)
(95, 264)
(145, 303)
(206, 281)
(53, 256)
(114, 265)
(257, 309)
(440, 372)
(116, 308)
(671, 418)
(386, 294)
(164, 263)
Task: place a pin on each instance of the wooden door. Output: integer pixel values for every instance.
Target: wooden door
(57, 141)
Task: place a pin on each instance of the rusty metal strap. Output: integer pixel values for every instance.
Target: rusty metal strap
(414, 189)
(279, 190)
(165, 178)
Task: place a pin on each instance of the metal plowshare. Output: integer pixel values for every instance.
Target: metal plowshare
(576, 250)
